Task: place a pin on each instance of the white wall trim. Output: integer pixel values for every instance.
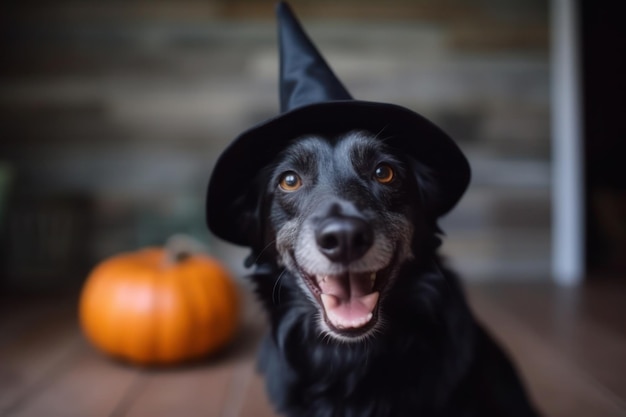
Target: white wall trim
(568, 234)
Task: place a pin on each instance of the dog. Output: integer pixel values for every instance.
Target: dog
(365, 319)
(339, 201)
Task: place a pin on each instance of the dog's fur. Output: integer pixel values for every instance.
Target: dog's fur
(421, 353)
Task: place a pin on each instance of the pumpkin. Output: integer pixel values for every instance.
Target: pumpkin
(159, 305)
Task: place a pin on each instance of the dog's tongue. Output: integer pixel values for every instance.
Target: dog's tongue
(348, 299)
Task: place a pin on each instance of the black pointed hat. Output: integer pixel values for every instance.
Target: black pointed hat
(314, 101)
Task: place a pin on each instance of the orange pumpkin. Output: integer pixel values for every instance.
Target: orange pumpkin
(159, 306)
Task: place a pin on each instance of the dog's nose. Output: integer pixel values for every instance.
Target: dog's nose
(344, 239)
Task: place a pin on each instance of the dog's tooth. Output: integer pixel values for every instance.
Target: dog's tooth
(336, 321)
(360, 322)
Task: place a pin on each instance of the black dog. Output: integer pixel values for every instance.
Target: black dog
(365, 321)
(338, 200)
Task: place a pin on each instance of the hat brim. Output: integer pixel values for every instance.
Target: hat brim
(402, 129)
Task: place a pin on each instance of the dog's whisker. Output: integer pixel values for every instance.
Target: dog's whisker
(377, 135)
(277, 284)
(269, 245)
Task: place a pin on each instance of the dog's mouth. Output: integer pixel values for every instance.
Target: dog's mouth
(349, 300)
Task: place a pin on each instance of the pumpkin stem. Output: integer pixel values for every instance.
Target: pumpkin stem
(180, 247)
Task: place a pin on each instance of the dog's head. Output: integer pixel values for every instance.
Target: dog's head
(342, 214)
(341, 211)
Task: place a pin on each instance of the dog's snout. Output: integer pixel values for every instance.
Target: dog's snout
(344, 239)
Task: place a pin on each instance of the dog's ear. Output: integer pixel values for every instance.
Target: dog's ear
(431, 200)
(429, 189)
(248, 218)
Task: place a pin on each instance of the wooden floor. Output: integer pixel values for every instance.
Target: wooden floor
(569, 344)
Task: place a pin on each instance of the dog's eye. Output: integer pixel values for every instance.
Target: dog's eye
(290, 181)
(384, 174)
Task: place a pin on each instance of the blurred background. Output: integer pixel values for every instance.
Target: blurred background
(112, 113)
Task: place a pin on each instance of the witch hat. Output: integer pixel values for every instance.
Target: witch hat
(314, 101)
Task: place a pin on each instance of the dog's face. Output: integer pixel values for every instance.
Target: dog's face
(343, 213)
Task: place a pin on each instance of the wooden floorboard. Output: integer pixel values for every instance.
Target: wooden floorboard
(570, 347)
(33, 357)
(89, 385)
(564, 319)
(558, 385)
(192, 392)
(605, 303)
(19, 314)
(255, 402)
